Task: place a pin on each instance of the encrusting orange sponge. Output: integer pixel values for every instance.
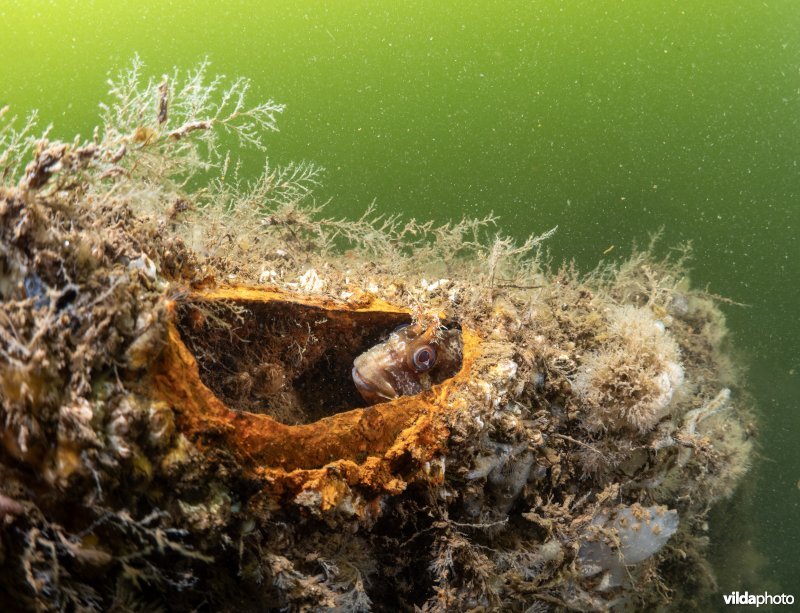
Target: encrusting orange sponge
(376, 448)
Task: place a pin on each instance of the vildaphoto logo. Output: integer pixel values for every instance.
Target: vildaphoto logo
(745, 598)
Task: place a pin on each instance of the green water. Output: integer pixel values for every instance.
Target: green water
(608, 118)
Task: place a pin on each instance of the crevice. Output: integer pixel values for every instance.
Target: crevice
(288, 360)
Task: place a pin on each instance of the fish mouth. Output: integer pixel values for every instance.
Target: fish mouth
(373, 390)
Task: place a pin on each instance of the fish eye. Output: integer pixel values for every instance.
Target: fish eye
(424, 358)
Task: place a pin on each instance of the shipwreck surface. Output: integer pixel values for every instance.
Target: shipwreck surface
(181, 430)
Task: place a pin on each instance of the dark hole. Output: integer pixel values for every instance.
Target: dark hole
(67, 297)
(290, 361)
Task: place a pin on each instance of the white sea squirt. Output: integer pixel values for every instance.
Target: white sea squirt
(642, 532)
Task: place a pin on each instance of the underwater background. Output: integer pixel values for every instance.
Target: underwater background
(609, 119)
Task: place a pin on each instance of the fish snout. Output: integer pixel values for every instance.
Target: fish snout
(373, 386)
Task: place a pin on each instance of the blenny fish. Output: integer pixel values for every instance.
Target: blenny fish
(411, 360)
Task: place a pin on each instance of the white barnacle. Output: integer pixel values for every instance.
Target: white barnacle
(310, 281)
(145, 265)
(434, 285)
(505, 370)
(267, 276)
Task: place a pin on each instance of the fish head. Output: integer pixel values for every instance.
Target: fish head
(407, 362)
